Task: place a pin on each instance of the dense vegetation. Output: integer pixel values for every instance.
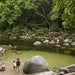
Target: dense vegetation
(18, 17)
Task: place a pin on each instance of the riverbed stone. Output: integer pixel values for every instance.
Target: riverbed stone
(73, 73)
(66, 40)
(67, 69)
(73, 43)
(47, 73)
(36, 43)
(52, 42)
(46, 41)
(66, 44)
(35, 64)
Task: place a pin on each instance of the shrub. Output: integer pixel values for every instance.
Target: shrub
(41, 31)
(54, 26)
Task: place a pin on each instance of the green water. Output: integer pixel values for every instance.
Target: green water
(26, 45)
(26, 50)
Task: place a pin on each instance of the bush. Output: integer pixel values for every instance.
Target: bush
(41, 31)
(30, 33)
(11, 38)
(54, 26)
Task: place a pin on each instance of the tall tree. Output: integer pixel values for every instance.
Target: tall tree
(63, 13)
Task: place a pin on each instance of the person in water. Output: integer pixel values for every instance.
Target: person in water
(3, 67)
(18, 65)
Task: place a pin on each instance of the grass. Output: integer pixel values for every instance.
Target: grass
(55, 60)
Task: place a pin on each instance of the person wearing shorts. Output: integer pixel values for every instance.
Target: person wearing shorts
(14, 65)
(3, 66)
(18, 65)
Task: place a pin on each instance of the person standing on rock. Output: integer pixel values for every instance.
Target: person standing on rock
(18, 65)
(57, 41)
(58, 45)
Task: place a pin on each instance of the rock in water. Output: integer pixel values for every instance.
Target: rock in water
(73, 73)
(73, 43)
(46, 41)
(46, 73)
(37, 43)
(35, 64)
(67, 69)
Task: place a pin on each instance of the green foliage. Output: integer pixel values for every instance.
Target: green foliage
(68, 16)
(11, 38)
(10, 21)
(13, 11)
(16, 31)
(30, 33)
(8, 32)
(64, 10)
(24, 30)
(41, 31)
(21, 16)
(9, 11)
(54, 26)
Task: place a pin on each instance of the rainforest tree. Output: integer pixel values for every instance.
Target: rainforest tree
(36, 15)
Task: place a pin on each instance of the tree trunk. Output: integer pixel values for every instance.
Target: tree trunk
(49, 25)
(23, 20)
(27, 25)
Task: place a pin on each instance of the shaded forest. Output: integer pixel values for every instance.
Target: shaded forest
(19, 17)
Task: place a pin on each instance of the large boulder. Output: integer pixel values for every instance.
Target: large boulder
(73, 73)
(35, 64)
(71, 68)
(67, 69)
(46, 73)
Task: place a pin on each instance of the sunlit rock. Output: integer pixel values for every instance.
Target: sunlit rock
(66, 41)
(37, 43)
(67, 69)
(57, 45)
(73, 43)
(46, 41)
(46, 73)
(35, 64)
(52, 42)
(73, 73)
(66, 44)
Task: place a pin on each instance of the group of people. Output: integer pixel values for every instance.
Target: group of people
(16, 66)
(3, 50)
(11, 46)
